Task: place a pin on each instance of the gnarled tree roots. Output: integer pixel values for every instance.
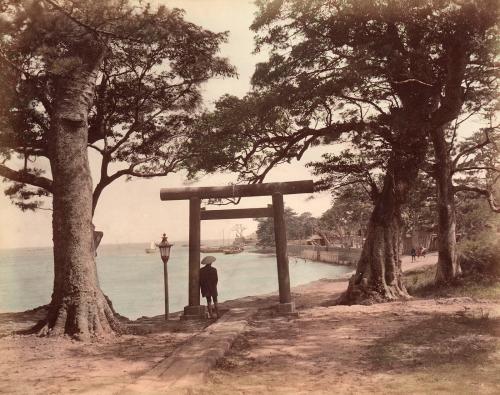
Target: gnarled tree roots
(360, 291)
(82, 317)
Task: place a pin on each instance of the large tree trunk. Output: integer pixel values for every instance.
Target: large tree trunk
(378, 274)
(78, 306)
(447, 266)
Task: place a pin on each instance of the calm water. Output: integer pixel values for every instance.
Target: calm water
(134, 280)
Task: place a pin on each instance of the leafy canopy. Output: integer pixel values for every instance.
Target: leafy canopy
(379, 75)
(148, 89)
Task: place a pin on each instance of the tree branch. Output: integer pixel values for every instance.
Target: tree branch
(469, 168)
(470, 150)
(40, 94)
(480, 191)
(96, 31)
(360, 99)
(101, 151)
(452, 101)
(26, 178)
(412, 80)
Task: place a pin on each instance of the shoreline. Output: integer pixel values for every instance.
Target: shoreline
(326, 345)
(133, 280)
(343, 278)
(341, 283)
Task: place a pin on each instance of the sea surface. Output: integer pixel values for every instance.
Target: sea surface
(133, 279)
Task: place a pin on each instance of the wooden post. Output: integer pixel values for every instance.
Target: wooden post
(194, 251)
(165, 279)
(194, 310)
(286, 305)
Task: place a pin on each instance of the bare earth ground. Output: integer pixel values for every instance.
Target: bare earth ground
(445, 345)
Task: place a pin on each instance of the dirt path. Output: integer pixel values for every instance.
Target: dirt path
(190, 363)
(34, 365)
(419, 346)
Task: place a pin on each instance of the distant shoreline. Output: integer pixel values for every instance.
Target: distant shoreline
(177, 243)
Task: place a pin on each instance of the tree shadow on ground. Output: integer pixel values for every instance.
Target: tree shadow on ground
(439, 340)
(21, 322)
(30, 321)
(135, 348)
(158, 324)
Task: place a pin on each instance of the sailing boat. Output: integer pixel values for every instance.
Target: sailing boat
(233, 249)
(152, 248)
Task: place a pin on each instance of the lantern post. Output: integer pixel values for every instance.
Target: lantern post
(164, 247)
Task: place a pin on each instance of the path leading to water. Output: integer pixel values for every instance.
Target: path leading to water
(189, 364)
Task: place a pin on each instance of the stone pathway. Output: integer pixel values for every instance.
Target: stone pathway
(188, 365)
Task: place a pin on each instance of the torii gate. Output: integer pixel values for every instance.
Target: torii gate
(196, 215)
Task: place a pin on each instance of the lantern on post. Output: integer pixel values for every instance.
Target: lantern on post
(164, 247)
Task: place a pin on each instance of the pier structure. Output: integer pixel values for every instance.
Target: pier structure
(196, 214)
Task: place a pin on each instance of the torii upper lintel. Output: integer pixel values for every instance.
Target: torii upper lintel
(230, 191)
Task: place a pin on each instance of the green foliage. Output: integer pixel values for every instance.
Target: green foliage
(375, 75)
(349, 213)
(476, 173)
(25, 196)
(298, 227)
(480, 255)
(152, 66)
(421, 283)
(474, 216)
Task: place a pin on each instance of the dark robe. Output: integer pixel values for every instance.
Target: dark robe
(208, 281)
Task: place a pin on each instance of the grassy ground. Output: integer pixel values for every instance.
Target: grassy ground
(454, 354)
(420, 283)
(445, 353)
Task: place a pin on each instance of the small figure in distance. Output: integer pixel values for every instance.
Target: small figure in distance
(413, 253)
(208, 284)
(423, 251)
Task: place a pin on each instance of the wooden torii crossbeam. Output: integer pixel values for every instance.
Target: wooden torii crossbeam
(196, 215)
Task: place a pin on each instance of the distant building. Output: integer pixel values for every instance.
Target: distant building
(316, 240)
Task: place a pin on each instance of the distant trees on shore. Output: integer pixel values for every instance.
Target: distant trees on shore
(298, 227)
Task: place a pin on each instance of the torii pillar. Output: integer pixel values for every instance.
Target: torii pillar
(196, 194)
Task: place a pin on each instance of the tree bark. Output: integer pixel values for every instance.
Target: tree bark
(447, 266)
(78, 306)
(378, 274)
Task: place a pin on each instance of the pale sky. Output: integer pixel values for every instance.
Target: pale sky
(132, 211)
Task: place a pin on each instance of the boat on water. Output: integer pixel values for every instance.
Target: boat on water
(152, 248)
(207, 250)
(233, 250)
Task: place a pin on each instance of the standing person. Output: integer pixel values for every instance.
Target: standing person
(413, 253)
(208, 284)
